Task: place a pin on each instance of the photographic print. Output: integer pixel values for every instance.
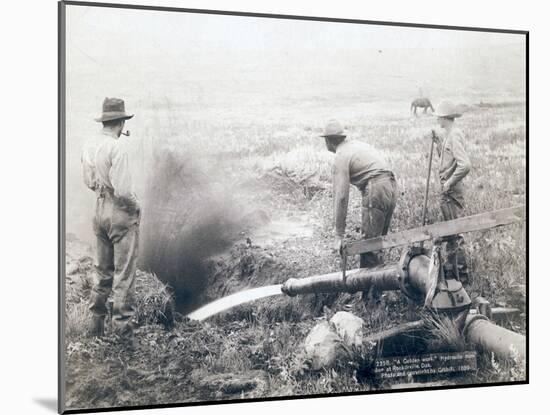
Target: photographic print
(260, 207)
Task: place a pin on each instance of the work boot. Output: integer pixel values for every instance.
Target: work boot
(97, 328)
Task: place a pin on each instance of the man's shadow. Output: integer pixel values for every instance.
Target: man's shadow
(47, 403)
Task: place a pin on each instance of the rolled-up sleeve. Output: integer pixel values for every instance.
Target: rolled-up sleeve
(121, 178)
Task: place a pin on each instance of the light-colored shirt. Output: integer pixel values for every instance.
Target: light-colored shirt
(105, 164)
(356, 163)
(454, 163)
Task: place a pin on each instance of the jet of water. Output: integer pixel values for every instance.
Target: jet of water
(233, 300)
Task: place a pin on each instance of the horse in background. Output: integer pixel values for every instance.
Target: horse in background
(421, 103)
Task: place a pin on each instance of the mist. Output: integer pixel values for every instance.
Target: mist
(186, 220)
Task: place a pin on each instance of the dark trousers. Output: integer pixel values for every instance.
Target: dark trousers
(379, 199)
(452, 206)
(117, 232)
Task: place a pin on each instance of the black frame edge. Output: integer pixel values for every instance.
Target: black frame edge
(288, 398)
(61, 25)
(527, 206)
(290, 17)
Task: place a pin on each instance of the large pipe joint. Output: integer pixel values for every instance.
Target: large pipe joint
(414, 293)
(421, 284)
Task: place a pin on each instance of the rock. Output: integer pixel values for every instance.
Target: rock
(349, 327)
(323, 347)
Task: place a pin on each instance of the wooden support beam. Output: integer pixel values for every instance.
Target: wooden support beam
(472, 223)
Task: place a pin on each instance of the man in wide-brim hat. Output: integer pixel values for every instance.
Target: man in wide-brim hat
(454, 165)
(357, 163)
(113, 110)
(116, 220)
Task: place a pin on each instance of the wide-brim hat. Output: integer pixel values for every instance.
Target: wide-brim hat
(447, 110)
(113, 109)
(333, 129)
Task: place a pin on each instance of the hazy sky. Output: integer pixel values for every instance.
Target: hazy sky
(95, 30)
(109, 46)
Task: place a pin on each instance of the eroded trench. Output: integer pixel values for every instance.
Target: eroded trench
(203, 261)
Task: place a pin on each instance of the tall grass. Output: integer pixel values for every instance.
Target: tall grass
(277, 162)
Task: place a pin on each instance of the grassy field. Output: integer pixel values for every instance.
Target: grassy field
(269, 179)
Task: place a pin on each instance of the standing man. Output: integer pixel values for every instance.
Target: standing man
(116, 220)
(356, 163)
(454, 165)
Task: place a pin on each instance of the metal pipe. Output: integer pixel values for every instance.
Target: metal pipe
(360, 279)
(411, 275)
(383, 278)
(504, 343)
